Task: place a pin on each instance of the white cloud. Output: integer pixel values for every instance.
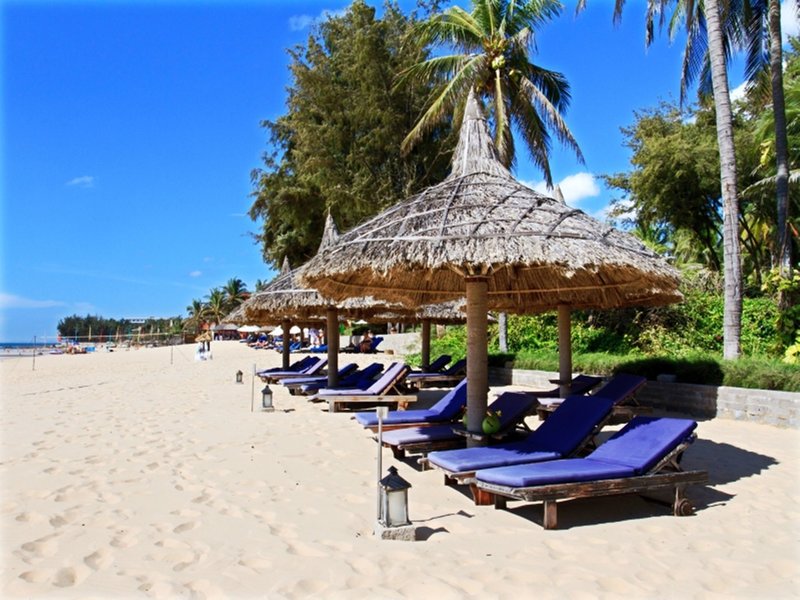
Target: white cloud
(790, 20)
(574, 188)
(195, 274)
(84, 181)
(12, 301)
(738, 93)
(300, 22)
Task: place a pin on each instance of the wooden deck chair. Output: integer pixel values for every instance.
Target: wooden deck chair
(448, 377)
(568, 431)
(297, 385)
(387, 390)
(361, 379)
(436, 366)
(621, 388)
(512, 407)
(294, 368)
(447, 409)
(312, 368)
(643, 456)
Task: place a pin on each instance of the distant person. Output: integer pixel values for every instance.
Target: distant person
(366, 342)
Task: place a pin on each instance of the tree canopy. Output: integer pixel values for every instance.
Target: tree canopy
(338, 146)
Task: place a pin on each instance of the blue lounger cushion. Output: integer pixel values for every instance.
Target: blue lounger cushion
(359, 379)
(446, 409)
(376, 388)
(512, 406)
(634, 450)
(559, 436)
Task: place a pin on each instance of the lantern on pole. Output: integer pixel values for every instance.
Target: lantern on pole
(266, 399)
(394, 500)
(239, 376)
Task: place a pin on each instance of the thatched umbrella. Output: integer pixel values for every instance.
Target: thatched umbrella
(286, 298)
(482, 234)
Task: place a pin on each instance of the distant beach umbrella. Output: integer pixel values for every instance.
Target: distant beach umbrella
(483, 235)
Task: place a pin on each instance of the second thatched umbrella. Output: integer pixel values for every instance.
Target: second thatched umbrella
(483, 235)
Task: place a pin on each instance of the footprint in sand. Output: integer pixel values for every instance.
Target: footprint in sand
(43, 547)
(30, 517)
(99, 560)
(37, 576)
(70, 576)
(259, 565)
(188, 526)
(124, 539)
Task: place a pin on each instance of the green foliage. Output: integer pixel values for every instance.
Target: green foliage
(103, 329)
(338, 146)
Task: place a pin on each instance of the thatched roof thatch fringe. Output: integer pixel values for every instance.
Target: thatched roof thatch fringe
(537, 252)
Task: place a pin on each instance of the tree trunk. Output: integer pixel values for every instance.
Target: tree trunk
(732, 322)
(502, 326)
(784, 245)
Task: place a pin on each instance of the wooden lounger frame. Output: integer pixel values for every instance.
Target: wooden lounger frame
(392, 397)
(666, 474)
(464, 477)
(434, 380)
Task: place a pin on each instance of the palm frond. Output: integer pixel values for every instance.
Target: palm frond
(454, 26)
(455, 90)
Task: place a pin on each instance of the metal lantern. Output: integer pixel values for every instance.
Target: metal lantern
(394, 500)
(266, 399)
(239, 376)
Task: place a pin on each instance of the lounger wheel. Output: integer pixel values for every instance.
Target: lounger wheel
(683, 508)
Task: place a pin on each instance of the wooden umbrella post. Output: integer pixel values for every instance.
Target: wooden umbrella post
(426, 344)
(332, 339)
(286, 325)
(564, 350)
(477, 355)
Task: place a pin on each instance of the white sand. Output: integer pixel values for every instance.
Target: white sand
(126, 476)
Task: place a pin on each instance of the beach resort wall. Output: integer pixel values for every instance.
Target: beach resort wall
(769, 407)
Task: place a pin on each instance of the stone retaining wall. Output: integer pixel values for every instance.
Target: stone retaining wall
(781, 409)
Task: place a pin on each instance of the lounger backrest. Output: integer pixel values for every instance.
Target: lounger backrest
(621, 387)
(644, 441)
(316, 367)
(513, 407)
(438, 364)
(375, 341)
(302, 363)
(385, 381)
(456, 367)
(362, 379)
(452, 402)
(570, 424)
(582, 384)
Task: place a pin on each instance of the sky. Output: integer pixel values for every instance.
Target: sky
(130, 130)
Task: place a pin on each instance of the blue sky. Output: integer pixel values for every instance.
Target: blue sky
(129, 131)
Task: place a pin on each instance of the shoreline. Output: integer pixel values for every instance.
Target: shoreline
(145, 474)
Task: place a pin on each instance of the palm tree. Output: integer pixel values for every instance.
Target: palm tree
(765, 53)
(493, 45)
(215, 305)
(235, 292)
(712, 34)
(196, 314)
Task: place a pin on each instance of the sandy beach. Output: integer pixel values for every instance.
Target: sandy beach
(143, 473)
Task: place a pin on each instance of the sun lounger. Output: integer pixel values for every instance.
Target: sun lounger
(296, 385)
(642, 457)
(580, 384)
(312, 368)
(566, 432)
(513, 407)
(296, 367)
(447, 409)
(360, 379)
(385, 390)
(622, 388)
(450, 376)
(436, 366)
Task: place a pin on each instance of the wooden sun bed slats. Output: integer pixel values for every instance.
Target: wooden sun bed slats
(396, 402)
(549, 494)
